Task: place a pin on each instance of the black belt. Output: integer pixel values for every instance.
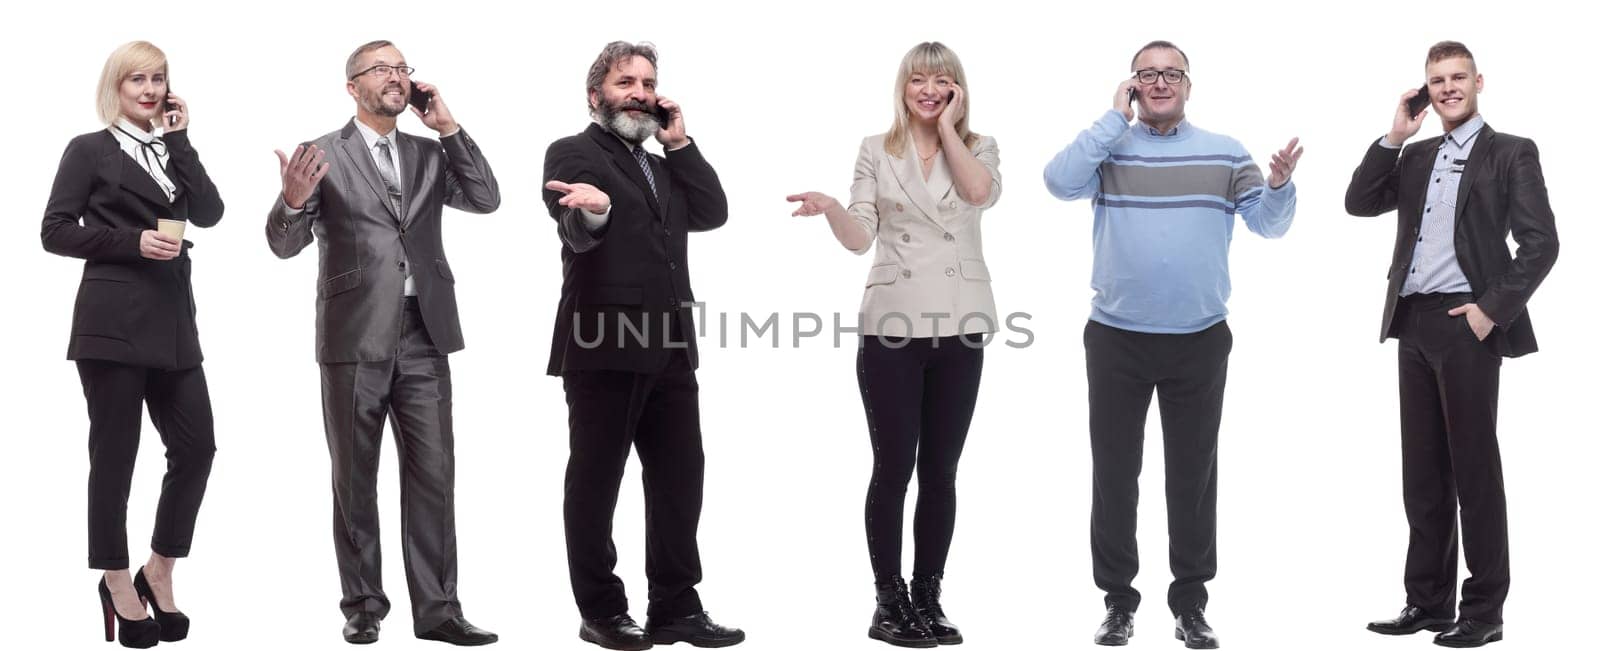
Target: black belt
(1426, 300)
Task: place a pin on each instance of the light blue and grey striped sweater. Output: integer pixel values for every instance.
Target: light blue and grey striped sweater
(1163, 219)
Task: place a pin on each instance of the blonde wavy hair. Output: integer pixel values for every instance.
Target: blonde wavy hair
(928, 58)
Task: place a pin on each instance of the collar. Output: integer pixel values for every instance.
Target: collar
(1468, 130)
(630, 146)
(1179, 131)
(134, 131)
(371, 137)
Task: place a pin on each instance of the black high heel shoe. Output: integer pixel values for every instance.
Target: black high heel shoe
(134, 633)
(174, 625)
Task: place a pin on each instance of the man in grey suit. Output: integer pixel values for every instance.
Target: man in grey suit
(372, 198)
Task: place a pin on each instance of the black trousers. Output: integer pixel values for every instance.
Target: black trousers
(919, 395)
(1450, 458)
(413, 391)
(657, 414)
(1188, 373)
(180, 408)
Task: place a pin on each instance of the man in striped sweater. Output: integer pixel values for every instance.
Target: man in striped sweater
(1165, 194)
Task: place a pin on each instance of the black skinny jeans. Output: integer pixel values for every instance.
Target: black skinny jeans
(919, 395)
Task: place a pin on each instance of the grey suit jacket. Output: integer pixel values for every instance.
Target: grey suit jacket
(365, 246)
(929, 278)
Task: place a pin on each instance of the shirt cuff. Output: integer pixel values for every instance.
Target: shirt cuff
(595, 221)
(1384, 143)
(686, 143)
(447, 135)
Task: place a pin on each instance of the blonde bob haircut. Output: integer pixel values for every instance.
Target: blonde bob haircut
(138, 55)
(928, 58)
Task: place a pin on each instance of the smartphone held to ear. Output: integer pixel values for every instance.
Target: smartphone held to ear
(419, 98)
(170, 106)
(663, 115)
(1418, 102)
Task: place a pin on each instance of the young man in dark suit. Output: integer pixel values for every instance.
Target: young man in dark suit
(386, 321)
(1457, 302)
(625, 350)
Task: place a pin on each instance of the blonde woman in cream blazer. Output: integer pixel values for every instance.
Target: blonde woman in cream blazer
(919, 192)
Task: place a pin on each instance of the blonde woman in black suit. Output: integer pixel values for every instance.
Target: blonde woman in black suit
(920, 191)
(133, 330)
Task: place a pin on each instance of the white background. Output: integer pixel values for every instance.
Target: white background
(1312, 535)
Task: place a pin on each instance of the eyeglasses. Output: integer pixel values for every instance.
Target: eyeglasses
(383, 70)
(1148, 76)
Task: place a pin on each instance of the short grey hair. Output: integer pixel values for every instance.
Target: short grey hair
(350, 64)
(1158, 45)
(614, 53)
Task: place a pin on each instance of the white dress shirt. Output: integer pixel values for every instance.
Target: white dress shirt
(152, 159)
(372, 137)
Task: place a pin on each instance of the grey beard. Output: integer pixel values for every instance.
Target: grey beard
(634, 130)
(375, 105)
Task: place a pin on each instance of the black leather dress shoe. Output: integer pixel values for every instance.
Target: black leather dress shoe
(1469, 633)
(1195, 632)
(460, 632)
(362, 628)
(618, 632)
(1116, 629)
(1411, 620)
(697, 629)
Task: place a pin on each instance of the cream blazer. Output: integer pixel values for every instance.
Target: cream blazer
(928, 278)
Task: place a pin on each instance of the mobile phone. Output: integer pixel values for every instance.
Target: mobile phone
(169, 105)
(419, 98)
(950, 97)
(1418, 102)
(663, 115)
(1132, 93)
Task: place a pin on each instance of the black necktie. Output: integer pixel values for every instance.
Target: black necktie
(644, 163)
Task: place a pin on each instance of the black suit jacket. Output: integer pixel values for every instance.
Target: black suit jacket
(130, 309)
(364, 246)
(1501, 192)
(622, 286)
